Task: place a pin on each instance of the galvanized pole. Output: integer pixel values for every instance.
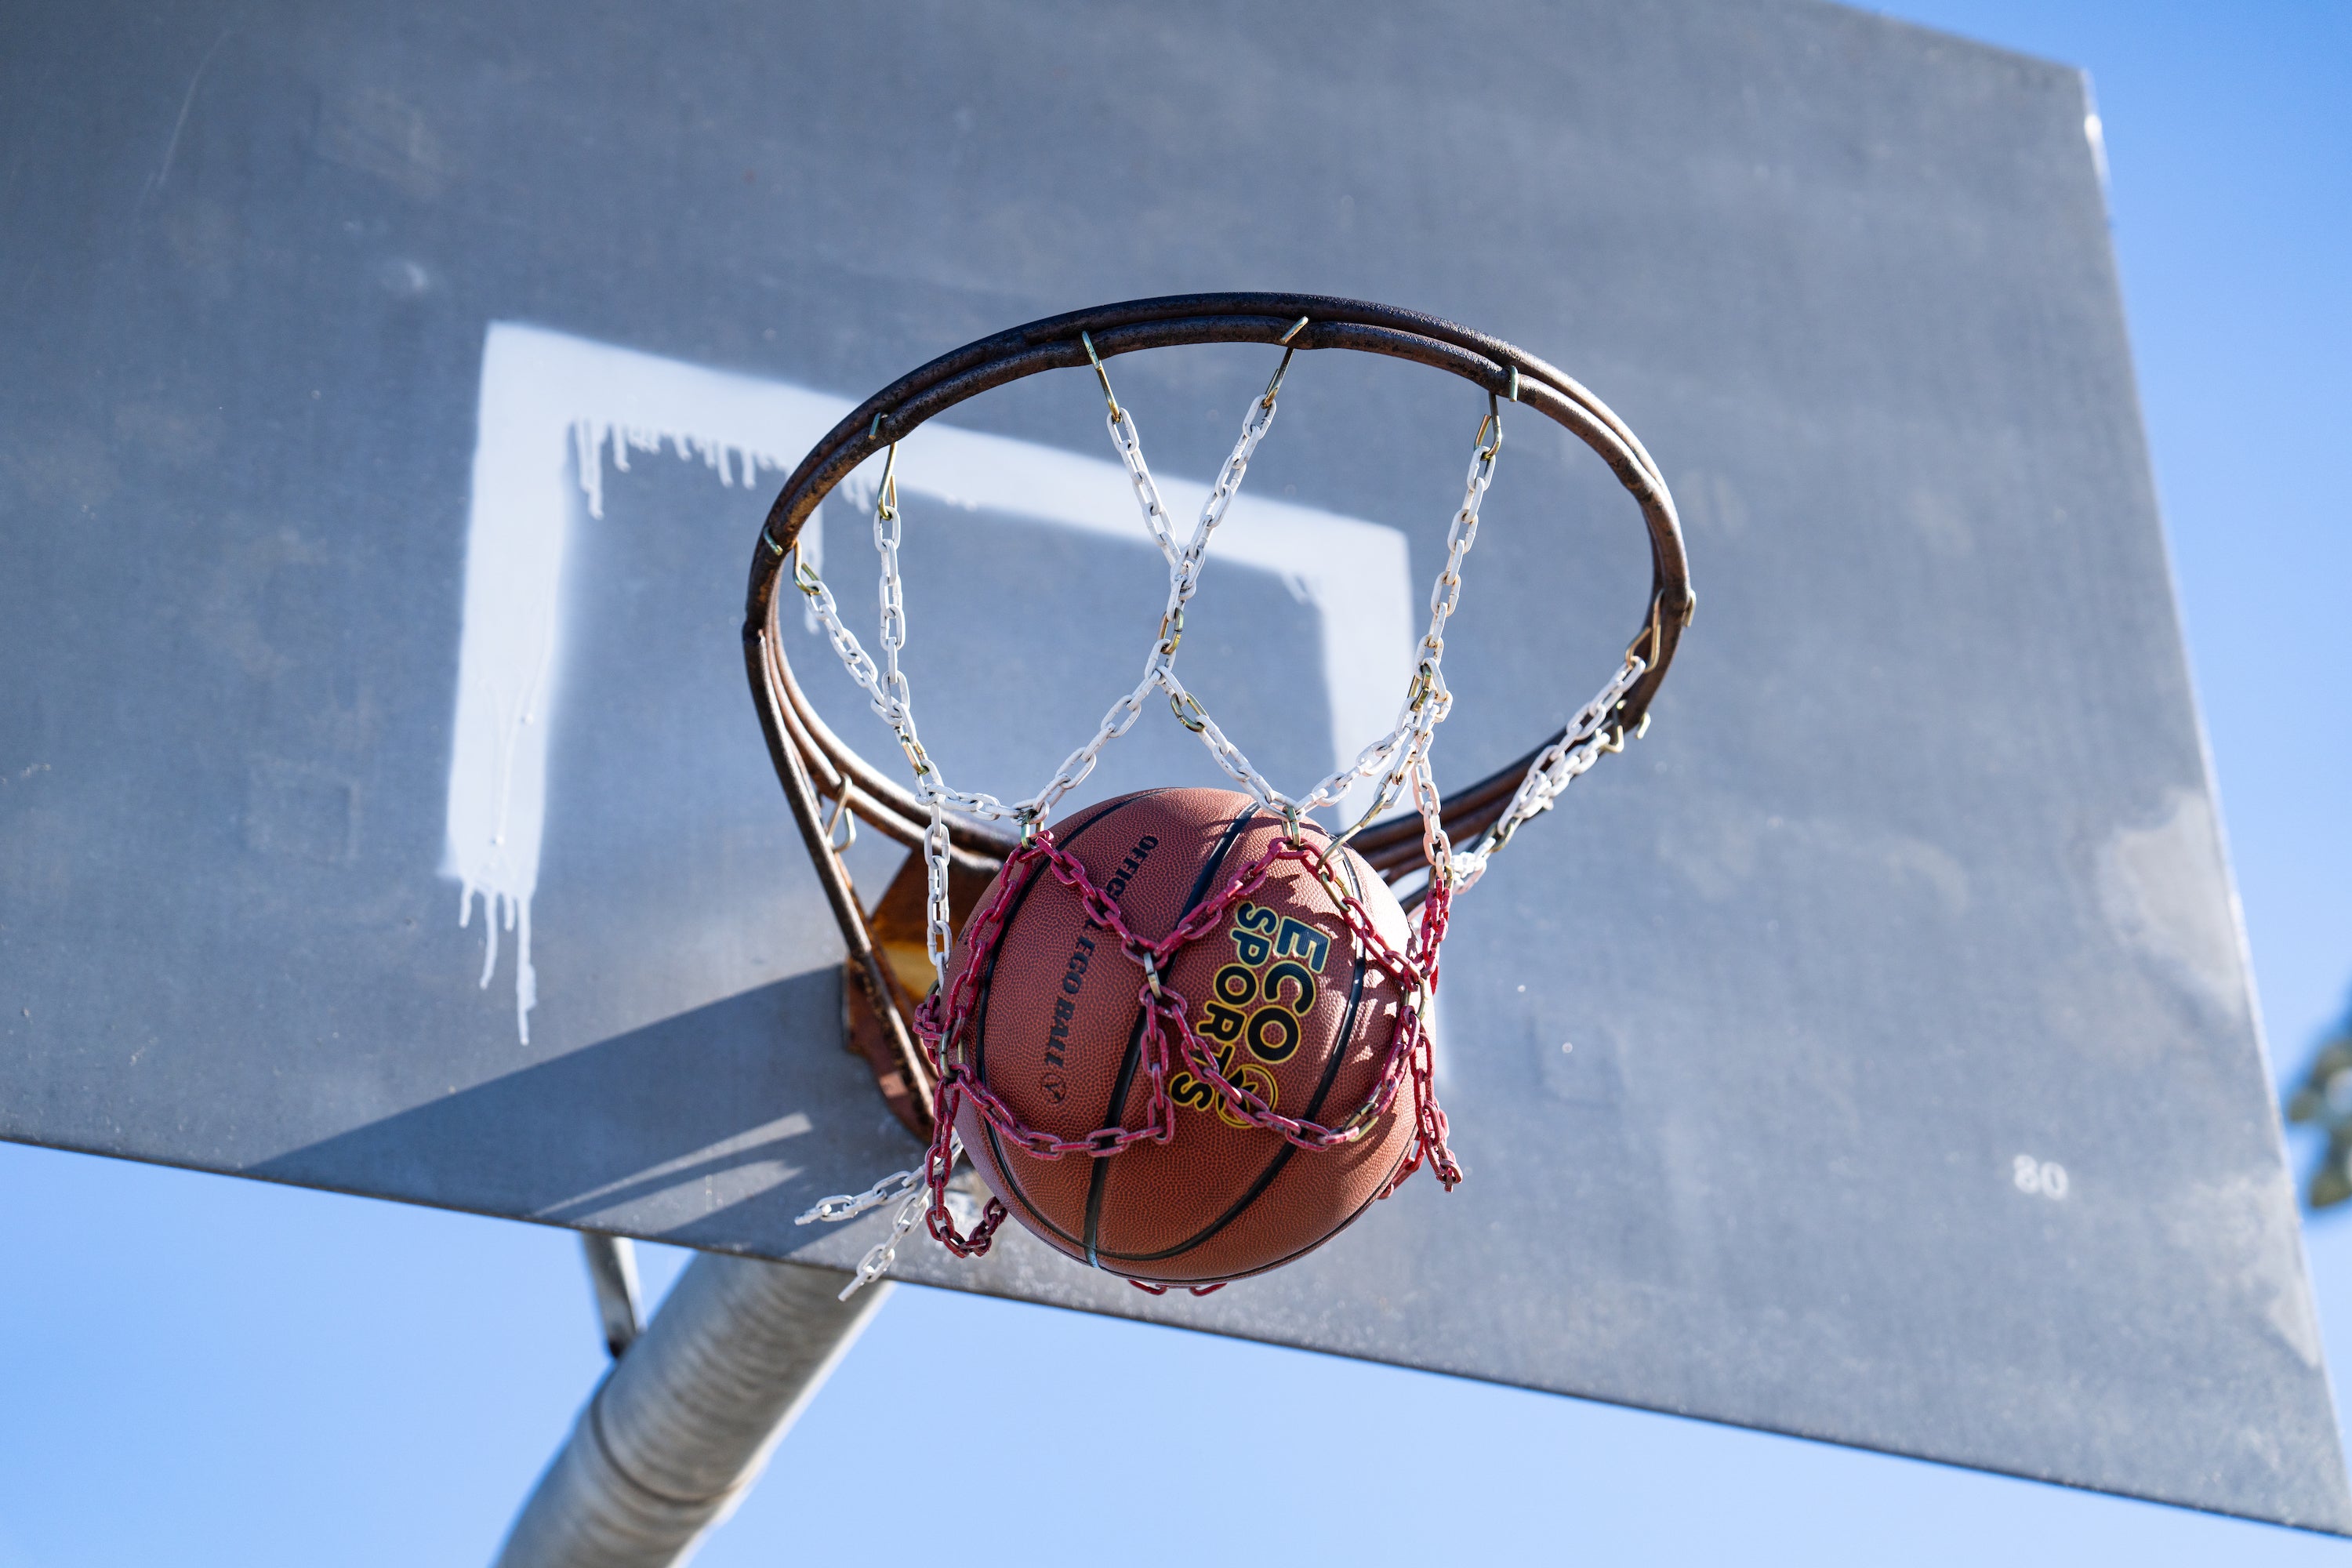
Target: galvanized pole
(612, 1276)
(683, 1424)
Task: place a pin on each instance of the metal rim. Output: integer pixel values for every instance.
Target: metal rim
(1055, 343)
(811, 761)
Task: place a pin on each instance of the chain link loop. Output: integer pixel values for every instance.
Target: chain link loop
(849, 1206)
(1589, 736)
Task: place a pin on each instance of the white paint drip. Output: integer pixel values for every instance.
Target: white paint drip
(592, 436)
(555, 408)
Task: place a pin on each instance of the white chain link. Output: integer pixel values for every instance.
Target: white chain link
(938, 936)
(1428, 700)
(849, 1206)
(1395, 757)
(1583, 743)
(889, 701)
(893, 599)
(884, 1253)
(1184, 580)
(913, 1195)
(1128, 441)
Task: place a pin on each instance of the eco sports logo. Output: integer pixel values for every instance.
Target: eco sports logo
(1260, 1001)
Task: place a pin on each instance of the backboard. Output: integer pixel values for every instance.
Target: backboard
(1866, 1054)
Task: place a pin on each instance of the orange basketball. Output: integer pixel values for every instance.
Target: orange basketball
(1277, 988)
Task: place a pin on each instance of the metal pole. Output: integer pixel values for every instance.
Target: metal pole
(612, 1275)
(683, 1424)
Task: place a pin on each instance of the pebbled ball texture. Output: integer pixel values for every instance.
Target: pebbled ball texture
(1056, 1031)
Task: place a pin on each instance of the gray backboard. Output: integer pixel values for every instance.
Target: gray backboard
(1916, 1098)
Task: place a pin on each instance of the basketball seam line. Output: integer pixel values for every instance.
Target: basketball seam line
(1293, 1256)
(987, 985)
(1099, 1179)
(1274, 1167)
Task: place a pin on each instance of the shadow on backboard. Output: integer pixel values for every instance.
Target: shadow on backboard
(736, 1109)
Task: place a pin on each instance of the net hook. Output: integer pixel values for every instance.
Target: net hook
(1425, 682)
(804, 577)
(1645, 643)
(1493, 421)
(886, 494)
(1101, 374)
(841, 812)
(1288, 349)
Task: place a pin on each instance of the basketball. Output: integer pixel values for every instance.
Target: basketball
(1277, 988)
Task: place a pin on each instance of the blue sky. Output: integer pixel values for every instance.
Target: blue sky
(204, 1371)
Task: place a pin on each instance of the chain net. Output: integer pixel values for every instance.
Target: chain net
(1399, 761)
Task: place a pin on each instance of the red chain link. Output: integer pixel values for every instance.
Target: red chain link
(940, 1024)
